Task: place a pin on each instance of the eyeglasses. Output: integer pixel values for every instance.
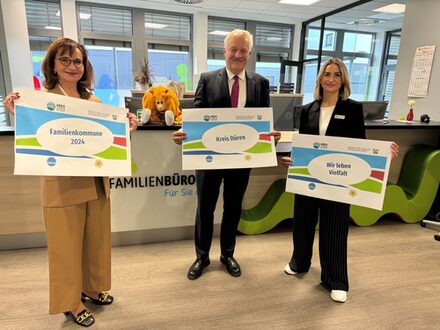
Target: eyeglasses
(336, 75)
(65, 61)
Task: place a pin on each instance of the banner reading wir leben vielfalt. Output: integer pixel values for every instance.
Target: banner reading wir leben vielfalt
(352, 171)
(65, 136)
(221, 138)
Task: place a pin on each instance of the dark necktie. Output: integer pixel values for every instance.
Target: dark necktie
(234, 93)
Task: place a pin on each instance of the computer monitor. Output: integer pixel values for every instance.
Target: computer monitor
(283, 105)
(374, 109)
(186, 103)
(133, 103)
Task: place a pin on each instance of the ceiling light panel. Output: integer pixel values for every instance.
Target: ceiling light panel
(395, 8)
(298, 2)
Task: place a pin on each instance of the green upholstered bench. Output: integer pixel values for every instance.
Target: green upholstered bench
(410, 199)
(413, 194)
(275, 206)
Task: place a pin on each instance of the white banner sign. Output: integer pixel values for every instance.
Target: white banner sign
(220, 138)
(352, 171)
(60, 135)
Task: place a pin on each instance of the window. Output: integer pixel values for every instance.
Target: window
(107, 36)
(105, 20)
(216, 60)
(113, 70)
(275, 36)
(356, 49)
(217, 30)
(171, 27)
(44, 25)
(367, 41)
(358, 42)
(168, 42)
(392, 45)
(168, 64)
(269, 65)
(43, 15)
(272, 45)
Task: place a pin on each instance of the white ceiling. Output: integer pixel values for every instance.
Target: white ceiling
(267, 10)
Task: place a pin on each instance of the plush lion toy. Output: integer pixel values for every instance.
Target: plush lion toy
(160, 105)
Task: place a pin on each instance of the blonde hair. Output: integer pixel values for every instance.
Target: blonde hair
(345, 90)
(240, 33)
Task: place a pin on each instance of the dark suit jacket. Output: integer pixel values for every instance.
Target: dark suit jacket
(347, 119)
(213, 91)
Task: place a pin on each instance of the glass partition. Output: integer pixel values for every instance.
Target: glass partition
(362, 37)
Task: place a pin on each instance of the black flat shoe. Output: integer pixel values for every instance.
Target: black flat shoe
(232, 265)
(104, 298)
(196, 269)
(84, 318)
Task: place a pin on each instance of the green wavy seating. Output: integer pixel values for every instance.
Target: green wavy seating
(412, 196)
(410, 199)
(275, 206)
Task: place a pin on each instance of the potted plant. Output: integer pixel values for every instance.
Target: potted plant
(145, 76)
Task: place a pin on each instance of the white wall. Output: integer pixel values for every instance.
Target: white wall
(17, 41)
(70, 26)
(421, 27)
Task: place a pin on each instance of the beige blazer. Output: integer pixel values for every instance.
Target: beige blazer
(58, 191)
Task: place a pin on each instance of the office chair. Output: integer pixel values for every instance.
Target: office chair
(433, 217)
(434, 223)
(287, 88)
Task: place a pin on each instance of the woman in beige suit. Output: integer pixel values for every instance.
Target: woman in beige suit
(76, 209)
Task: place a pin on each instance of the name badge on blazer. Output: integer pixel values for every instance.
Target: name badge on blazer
(339, 116)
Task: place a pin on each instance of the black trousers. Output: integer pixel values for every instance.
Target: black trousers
(208, 184)
(333, 235)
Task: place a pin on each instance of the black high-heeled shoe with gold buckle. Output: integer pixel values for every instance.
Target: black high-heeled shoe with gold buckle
(104, 298)
(84, 318)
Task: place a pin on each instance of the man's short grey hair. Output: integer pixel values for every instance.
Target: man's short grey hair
(240, 33)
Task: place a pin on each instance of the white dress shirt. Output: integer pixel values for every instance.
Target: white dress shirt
(324, 118)
(241, 87)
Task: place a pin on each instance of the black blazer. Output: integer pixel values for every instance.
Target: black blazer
(347, 119)
(213, 91)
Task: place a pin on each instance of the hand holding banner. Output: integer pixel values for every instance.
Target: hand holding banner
(352, 171)
(60, 135)
(227, 138)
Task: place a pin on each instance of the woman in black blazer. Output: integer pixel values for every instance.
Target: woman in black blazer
(332, 114)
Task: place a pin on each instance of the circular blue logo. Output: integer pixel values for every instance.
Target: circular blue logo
(316, 145)
(206, 118)
(51, 161)
(51, 106)
(209, 159)
(312, 186)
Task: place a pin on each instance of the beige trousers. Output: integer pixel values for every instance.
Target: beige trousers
(79, 248)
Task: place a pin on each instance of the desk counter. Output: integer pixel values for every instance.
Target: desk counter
(158, 202)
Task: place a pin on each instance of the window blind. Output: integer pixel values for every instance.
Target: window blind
(43, 15)
(273, 36)
(174, 27)
(106, 20)
(218, 26)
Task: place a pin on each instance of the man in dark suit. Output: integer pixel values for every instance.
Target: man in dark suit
(233, 87)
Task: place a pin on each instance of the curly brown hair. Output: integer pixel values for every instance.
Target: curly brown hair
(68, 46)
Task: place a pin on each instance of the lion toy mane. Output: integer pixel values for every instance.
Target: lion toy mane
(160, 105)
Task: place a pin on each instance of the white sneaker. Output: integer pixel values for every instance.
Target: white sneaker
(289, 271)
(339, 295)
